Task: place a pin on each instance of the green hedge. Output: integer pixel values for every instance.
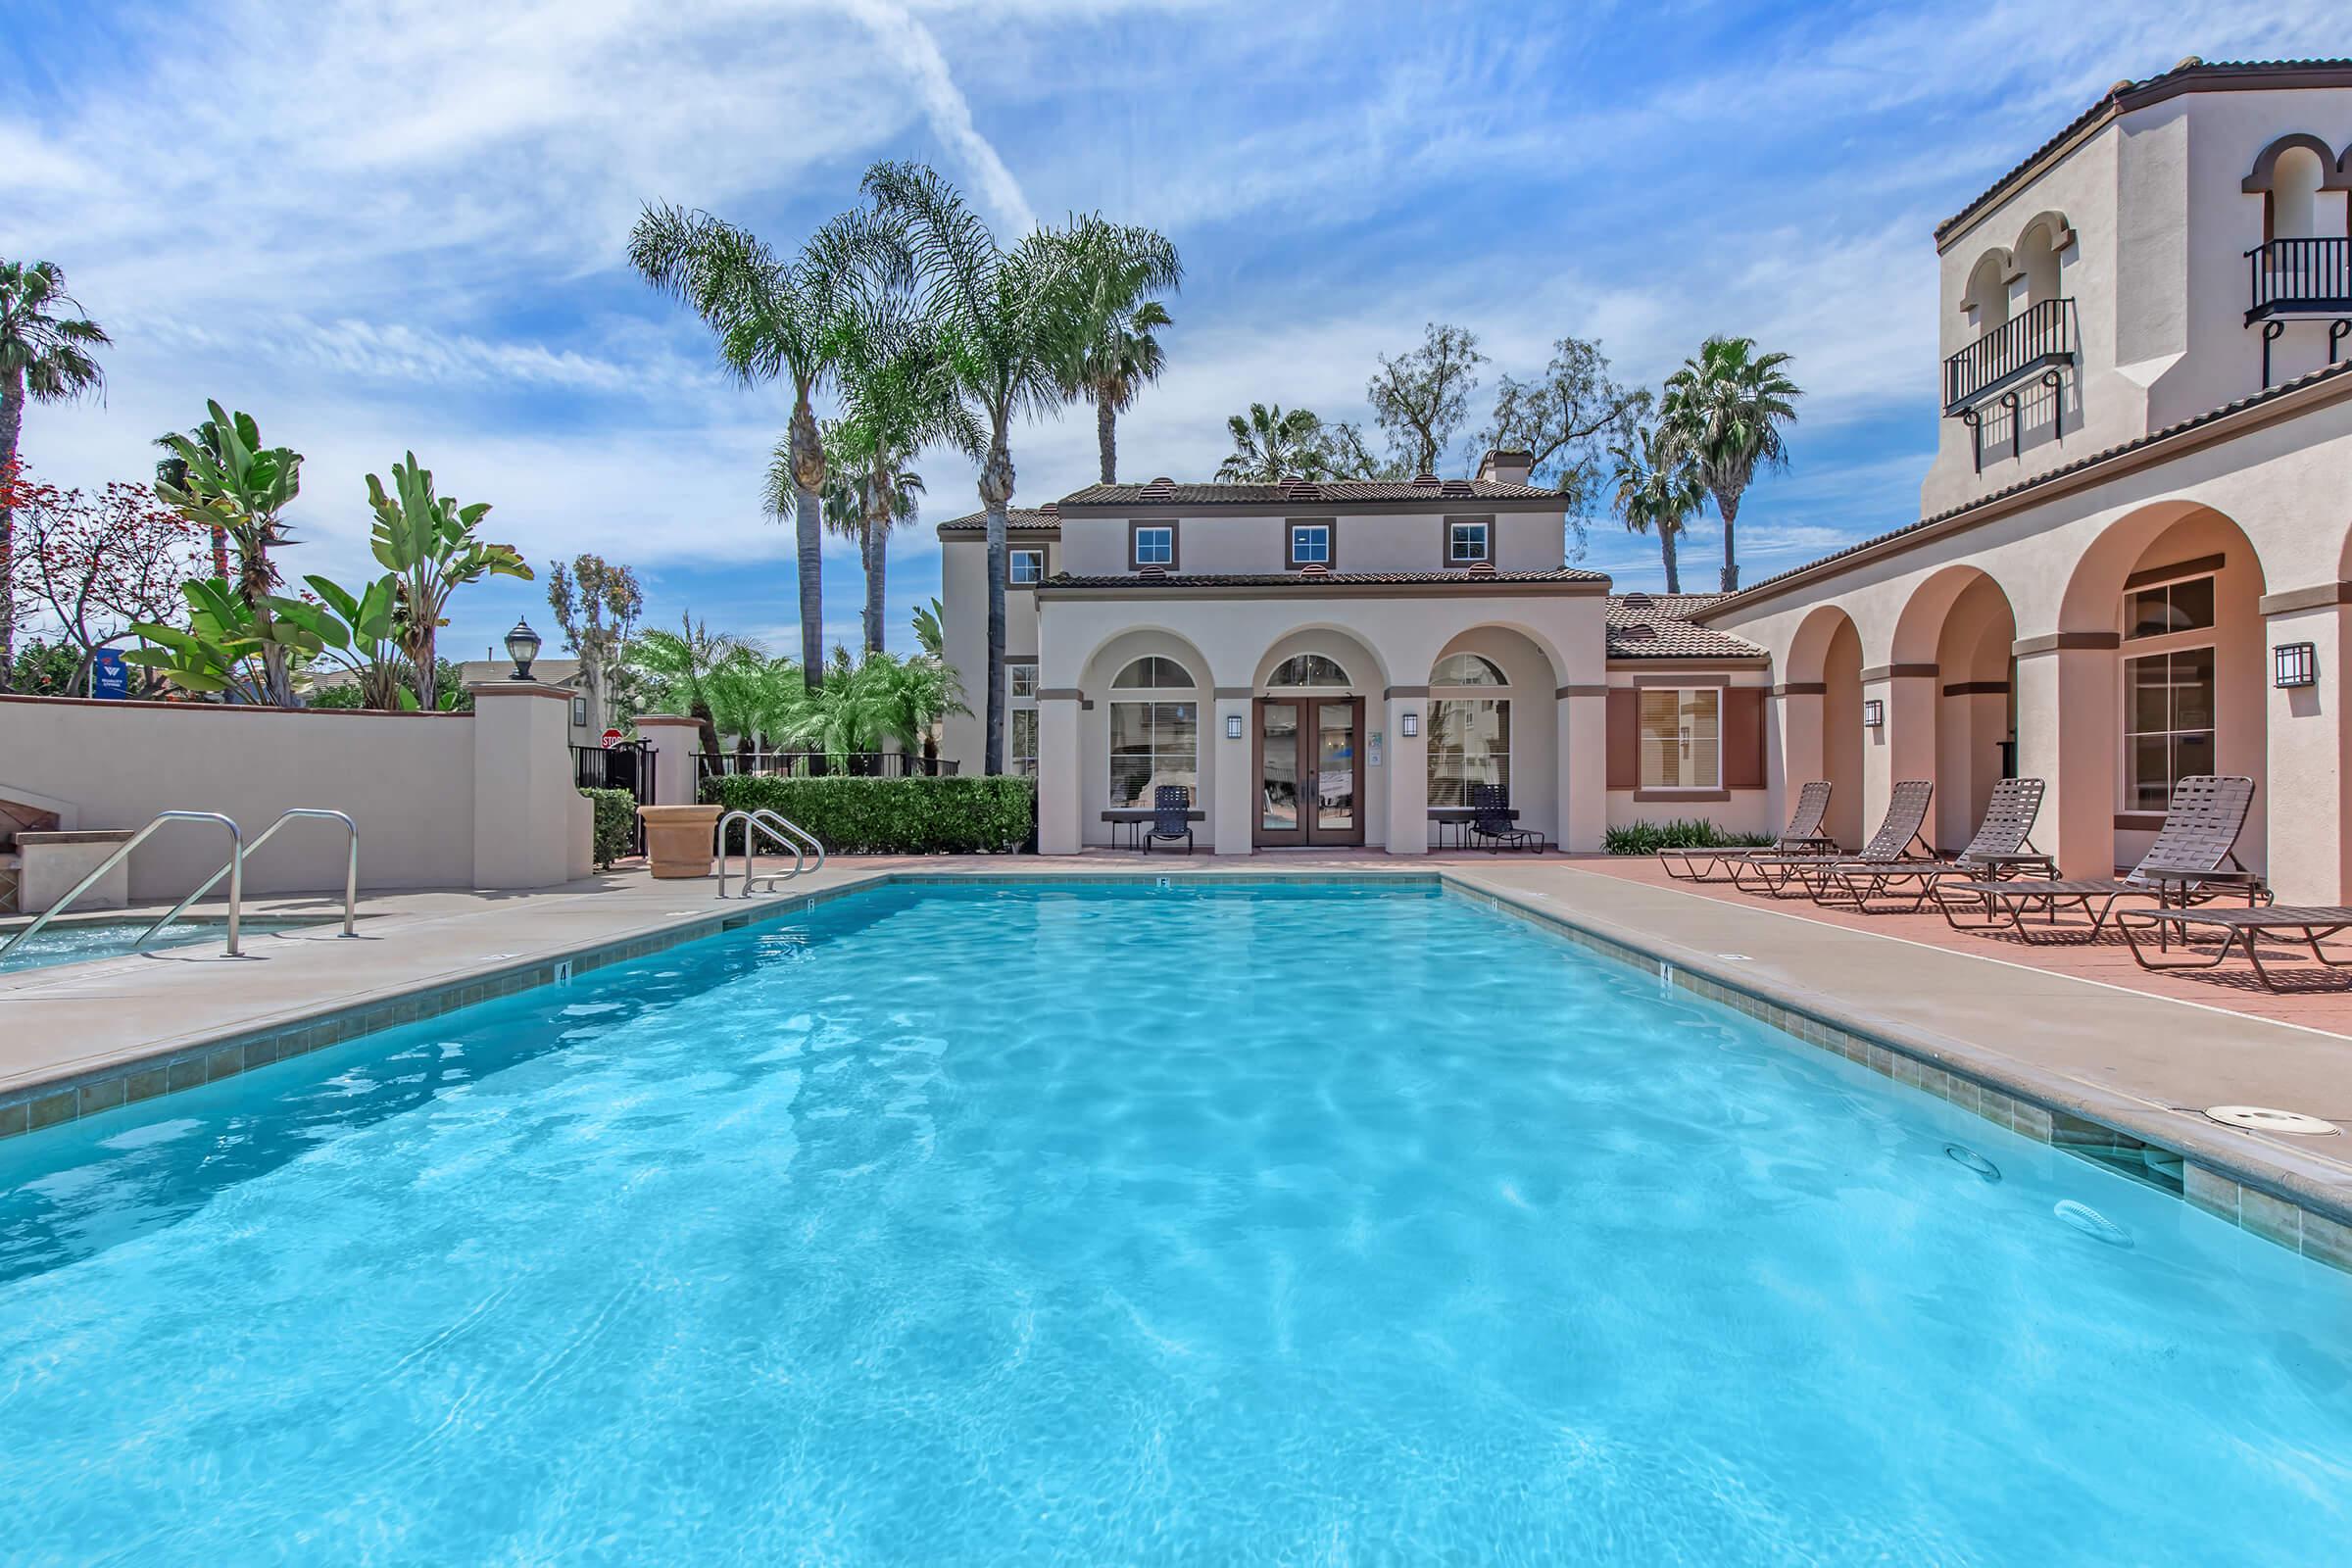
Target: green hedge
(892, 816)
(615, 824)
(1683, 833)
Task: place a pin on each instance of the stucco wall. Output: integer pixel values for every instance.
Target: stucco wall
(963, 596)
(1522, 541)
(407, 779)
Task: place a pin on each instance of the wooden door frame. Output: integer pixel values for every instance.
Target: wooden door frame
(1292, 838)
(1355, 733)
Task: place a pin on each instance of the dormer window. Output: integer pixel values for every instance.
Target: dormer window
(1151, 544)
(1310, 544)
(1469, 541)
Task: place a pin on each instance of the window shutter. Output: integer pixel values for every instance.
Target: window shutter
(1625, 738)
(1743, 738)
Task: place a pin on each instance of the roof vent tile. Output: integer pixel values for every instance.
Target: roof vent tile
(1482, 569)
(1152, 571)
(1425, 481)
(1455, 487)
(1315, 569)
(1638, 631)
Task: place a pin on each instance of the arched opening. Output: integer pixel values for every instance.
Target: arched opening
(1494, 720)
(2037, 257)
(1960, 622)
(1309, 742)
(2176, 587)
(2294, 195)
(1145, 692)
(1309, 669)
(1987, 298)
(1822, 718)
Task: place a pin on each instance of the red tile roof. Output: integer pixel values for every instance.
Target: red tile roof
(1044, 517)
(1163, 493)
(1653, 626)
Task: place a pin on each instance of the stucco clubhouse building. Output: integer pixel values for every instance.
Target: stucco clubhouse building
(2133, 562)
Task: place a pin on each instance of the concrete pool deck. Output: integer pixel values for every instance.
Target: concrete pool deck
(2032, 1047)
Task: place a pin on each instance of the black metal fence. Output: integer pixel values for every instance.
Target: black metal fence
(629, 766)
(819, 765)
(2299, 274)
(2042, 336)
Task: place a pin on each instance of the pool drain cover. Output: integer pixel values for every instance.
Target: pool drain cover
(2091, 1223)
(2263, 1119)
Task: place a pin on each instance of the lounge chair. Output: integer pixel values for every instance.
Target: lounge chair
(1171, 816)
(1891, 844)
(2184, 867)
(1802, 836)
(2003, 847)
(2307, 923)
(1491, 824)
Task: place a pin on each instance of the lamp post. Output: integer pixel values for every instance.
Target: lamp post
(522, 646)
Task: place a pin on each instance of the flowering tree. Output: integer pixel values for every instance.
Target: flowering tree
(94, 565)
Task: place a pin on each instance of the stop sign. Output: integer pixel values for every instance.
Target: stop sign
(611, 739)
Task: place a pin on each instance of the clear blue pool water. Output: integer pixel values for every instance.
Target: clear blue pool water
(1093, 1226)
(72, 940)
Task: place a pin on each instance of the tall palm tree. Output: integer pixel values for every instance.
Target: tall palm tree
(243, 488)
(1005, 318)
(1658, 487)
(868, 492)
(1726, 408)
(773, 319)
(684, 663)
(1115, 353)
(45, 346)
(1270, 446)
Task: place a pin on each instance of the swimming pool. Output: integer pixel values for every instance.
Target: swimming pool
(72, 940)
(1094, 1225)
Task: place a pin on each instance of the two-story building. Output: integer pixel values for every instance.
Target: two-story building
(1330, 663)
(2134, 559)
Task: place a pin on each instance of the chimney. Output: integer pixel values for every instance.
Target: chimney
(1505, 467)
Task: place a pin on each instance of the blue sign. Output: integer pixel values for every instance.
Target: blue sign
(108, 675)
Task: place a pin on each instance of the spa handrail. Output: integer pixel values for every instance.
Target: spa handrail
(235, 869)
(351, 871)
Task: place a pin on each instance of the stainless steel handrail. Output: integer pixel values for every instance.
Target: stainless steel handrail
(235, 869)
(749, 820)
(779, 819)
(351, 871)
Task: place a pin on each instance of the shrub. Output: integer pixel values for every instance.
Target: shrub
(1683, 833)
(615, 824)
(890, 815)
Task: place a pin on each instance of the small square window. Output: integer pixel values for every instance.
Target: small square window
(1026, 568)
(1465, 543)
(1020, 680)
(1310, 544)
(1155, 545)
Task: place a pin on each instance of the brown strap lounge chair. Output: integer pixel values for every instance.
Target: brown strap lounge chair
(2003, 847)
(1894, 841)
(1802, 836)
(2307, 923)
(1495, 826)
(2191, 863)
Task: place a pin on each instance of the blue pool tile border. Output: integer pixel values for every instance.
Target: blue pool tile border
(2276, 1218)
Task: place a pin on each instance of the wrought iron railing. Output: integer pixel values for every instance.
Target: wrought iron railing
(812, 764)
(2040, 337)
(2298, 274)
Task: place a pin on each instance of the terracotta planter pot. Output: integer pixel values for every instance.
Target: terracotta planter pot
(680, 841)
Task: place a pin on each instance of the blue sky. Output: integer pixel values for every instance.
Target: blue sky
(399, 223)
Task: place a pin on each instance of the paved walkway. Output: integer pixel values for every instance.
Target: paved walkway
(2075, 1029)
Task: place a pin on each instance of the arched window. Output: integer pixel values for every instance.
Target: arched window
(2295, 197)
(1151, 672)
(1309, 669)
(1466, 669)
(1469, 737)
(1155, 732)
(1988, 293)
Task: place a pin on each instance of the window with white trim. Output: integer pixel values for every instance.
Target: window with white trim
(580, 712)
(1154, 545)
(1025, 569)
(1681, 737)
(1020, 719)
(1310, 544)
(1467, 543)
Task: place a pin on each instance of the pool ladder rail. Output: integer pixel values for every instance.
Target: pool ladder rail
(234, 870)
(779, 828)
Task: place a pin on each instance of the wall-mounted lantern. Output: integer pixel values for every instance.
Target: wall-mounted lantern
(1408, 724)
(1874, 714)
(2294, 664)
(1233, 726)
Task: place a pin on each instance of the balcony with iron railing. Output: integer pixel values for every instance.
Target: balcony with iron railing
(2038, 339)
(2289, 276)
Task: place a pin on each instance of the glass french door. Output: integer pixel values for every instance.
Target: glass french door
(1310, 770)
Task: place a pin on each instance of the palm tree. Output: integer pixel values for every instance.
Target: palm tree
(1115, 353)
(1726, 408)
(232, 482)
(868, 492)
(1657, 488)
(1006, 320)
(683, 663)
(44, 355)
(774, 319)
(1270, 446)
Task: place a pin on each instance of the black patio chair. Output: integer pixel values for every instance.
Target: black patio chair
(1171, 816)
(1492, 826)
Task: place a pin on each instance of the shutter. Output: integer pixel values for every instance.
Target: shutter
(1625, 738)
(1743, 738)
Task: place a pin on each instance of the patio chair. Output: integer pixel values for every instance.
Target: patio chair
(1894, 841)
(2184, 867)
(2307, 923)
(1171, 816)
(1491, 824)
(2003, 847)
(1802, 836)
